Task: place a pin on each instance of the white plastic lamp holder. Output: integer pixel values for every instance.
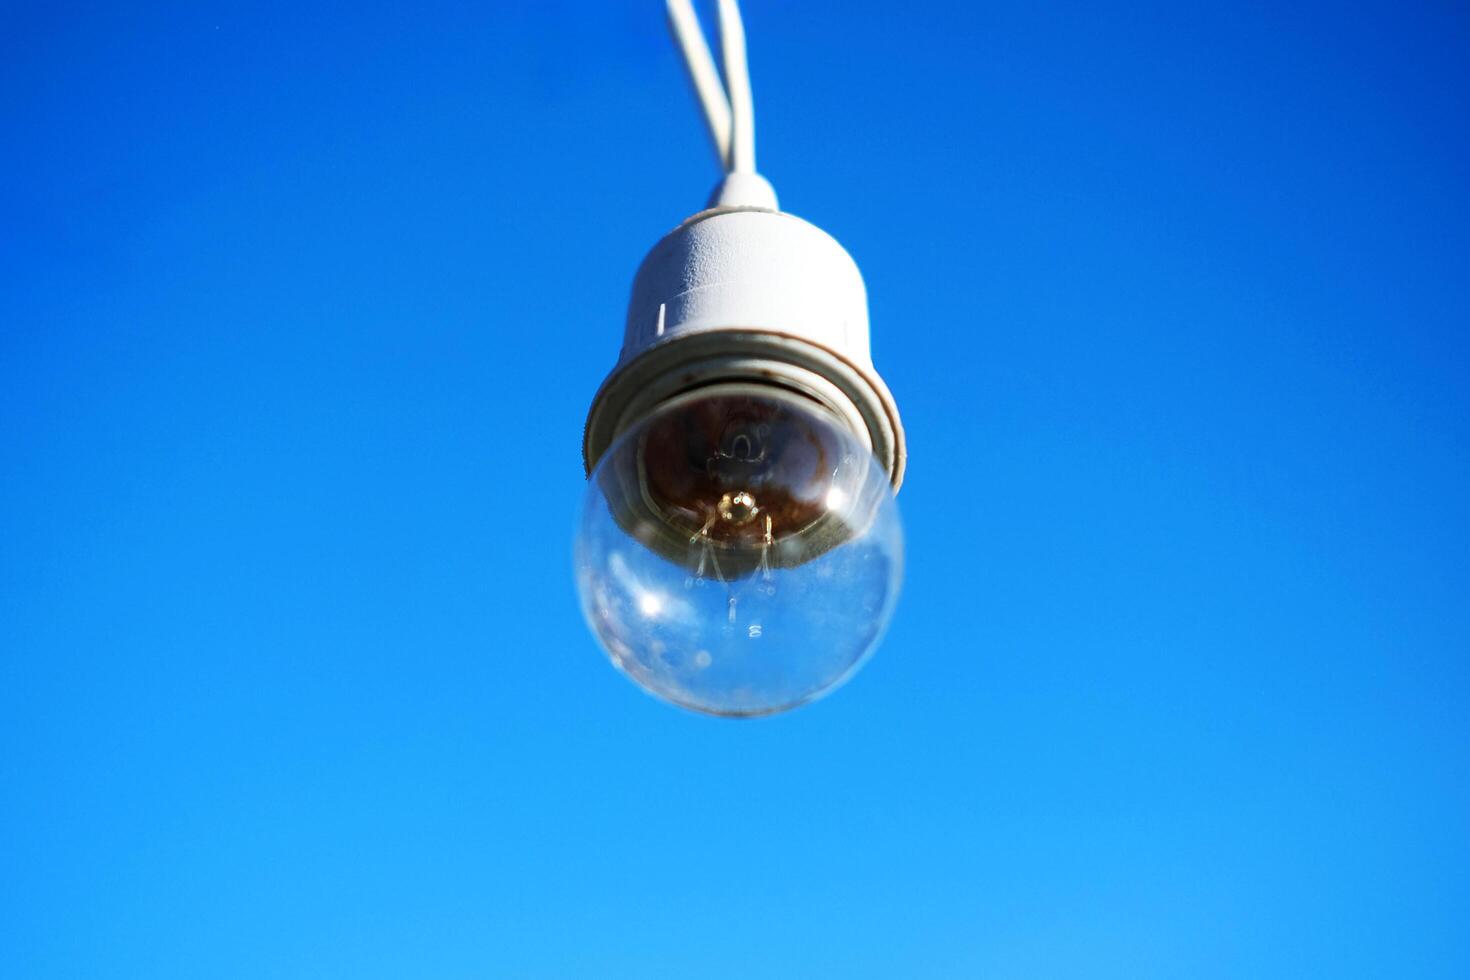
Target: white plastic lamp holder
(744, 291)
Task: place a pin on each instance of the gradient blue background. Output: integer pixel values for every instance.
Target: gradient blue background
(301, 307)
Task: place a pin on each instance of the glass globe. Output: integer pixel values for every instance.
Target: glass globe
(740, 551)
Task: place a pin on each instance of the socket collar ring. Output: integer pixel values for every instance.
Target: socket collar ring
(684, 363)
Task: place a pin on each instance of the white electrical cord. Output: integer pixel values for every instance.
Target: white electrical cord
(737, 77)
(731, 118)
(702, 73)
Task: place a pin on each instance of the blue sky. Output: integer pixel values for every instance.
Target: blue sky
(301, 307)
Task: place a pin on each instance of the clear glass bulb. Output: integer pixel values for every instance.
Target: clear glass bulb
(740, 551)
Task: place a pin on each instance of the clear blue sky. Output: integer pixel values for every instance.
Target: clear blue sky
(301, 307)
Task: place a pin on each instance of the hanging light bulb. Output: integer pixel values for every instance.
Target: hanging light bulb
(740, 550)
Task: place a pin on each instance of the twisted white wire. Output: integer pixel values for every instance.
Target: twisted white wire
(702, 72)
(737, 80)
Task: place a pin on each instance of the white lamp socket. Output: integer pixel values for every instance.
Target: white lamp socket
(743, 292)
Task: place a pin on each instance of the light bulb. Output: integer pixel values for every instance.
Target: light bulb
(740, 551)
